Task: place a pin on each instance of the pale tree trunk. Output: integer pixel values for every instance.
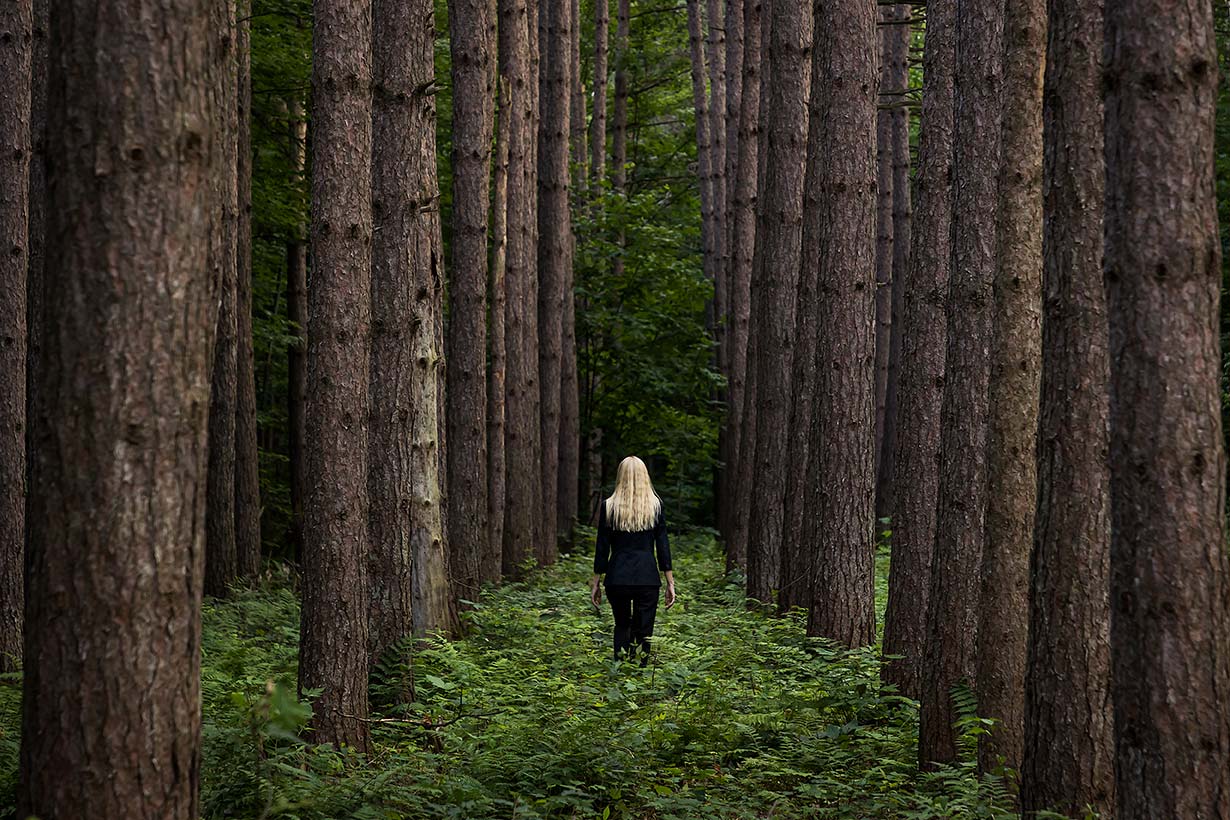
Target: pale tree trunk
(334, 632)
(247, 460)
(16, 56)
(554, 258)
(1170, 583)
(781, 228)
(1016, 361)
(221, 557)
(1068, 761)
(916, 450)
(472, 40)
(496, 474)
(952, 612)
(117, 521)
(839, 234)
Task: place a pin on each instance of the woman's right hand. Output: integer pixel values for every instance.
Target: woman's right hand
(595, 592)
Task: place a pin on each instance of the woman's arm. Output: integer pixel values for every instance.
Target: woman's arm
(602, 556)
(670, 589)
(663, 543)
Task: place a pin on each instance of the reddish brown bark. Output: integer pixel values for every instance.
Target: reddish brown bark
(296, 366)
(496, 475)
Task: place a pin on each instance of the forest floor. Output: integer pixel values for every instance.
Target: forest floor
(738, 716)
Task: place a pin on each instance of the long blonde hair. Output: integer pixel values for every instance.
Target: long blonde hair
(634, 506)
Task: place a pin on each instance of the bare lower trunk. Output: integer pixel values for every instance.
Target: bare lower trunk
(597, 128)
(296, 369)
(884, 215)
(117, 523)
(496, 474)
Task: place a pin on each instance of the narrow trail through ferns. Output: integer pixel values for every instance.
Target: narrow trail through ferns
(738, 716)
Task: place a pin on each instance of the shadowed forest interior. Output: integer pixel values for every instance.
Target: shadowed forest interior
(327, 323)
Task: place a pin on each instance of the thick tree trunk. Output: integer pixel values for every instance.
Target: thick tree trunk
(839, 234)
(899, 84)
(1016, 361)
(16, 55)
(221, 557)
(247, 456)
(781, 227)
(117, 524)
(334, 640)
(952, 619)
(410, 588)
(554, 258)
(496, 475)
(1068, 760)
(916, 450)
(521, 420)
(472, 39)
(1170, 583)
(888, 33)
(296, 351)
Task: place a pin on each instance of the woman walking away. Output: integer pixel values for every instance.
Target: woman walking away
(630, 527)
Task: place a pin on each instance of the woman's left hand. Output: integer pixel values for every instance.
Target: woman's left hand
(595, 592)
(670, 594)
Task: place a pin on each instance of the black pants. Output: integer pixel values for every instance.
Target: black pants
(634, 608)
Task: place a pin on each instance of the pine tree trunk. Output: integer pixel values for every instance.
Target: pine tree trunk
(1170, 583)
(916, 450)
(733, 80)
(472, 40)
(899, 84)
(334, 639)
(1016, 361)
(296, 351)
(715, 61)
(570, 410)
(781, 227)
(597, 126)
(1068, 760)
(839, 235)
(619, 128)
(117, 520)
(554, 257)
(521, 420)
(247, 456)
(16, 55)
(496, 473)
(952, 619)
(221, 557)
(885, 43)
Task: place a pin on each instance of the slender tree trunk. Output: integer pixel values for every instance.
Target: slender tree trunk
(715, 61)
(1170, 583)
(570, 410)
(247, 456)
(472, 39)
(733, 80)
(839, 234)
(781, 228)
(521, 384)
(221, 556)
(117, 522)
(1016, 361)
(1068, 761)
(16, 55)
(334, 640)
(916, 450)
(496, 474)
(578, 142)
(297, 316)
(886, 42)
(597, 126)
(742, 244)
(705, 155)
(899, 84)
(952, 619)
(554, 257)
(619, 136)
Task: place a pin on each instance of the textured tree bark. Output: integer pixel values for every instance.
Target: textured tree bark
(1012, 423)
(570, 409)
(221, 557)
(742, 245)
(704, 151)
(334, 639)
(1068, 761)
(1170, 583)
(899, 83)
(472, 42)
(296, 352)
(781, 228)
(916, 450)
(521, 420)
(16, 55)
(952, 613)
(496, 474)
(888, 33)
(597, 125)
(839, 234)
(619, 128)
(410, 588)
(117, 523)
(247, 456)
(715, 61)
(554, 257)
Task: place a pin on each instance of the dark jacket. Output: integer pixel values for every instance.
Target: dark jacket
(627, 557)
